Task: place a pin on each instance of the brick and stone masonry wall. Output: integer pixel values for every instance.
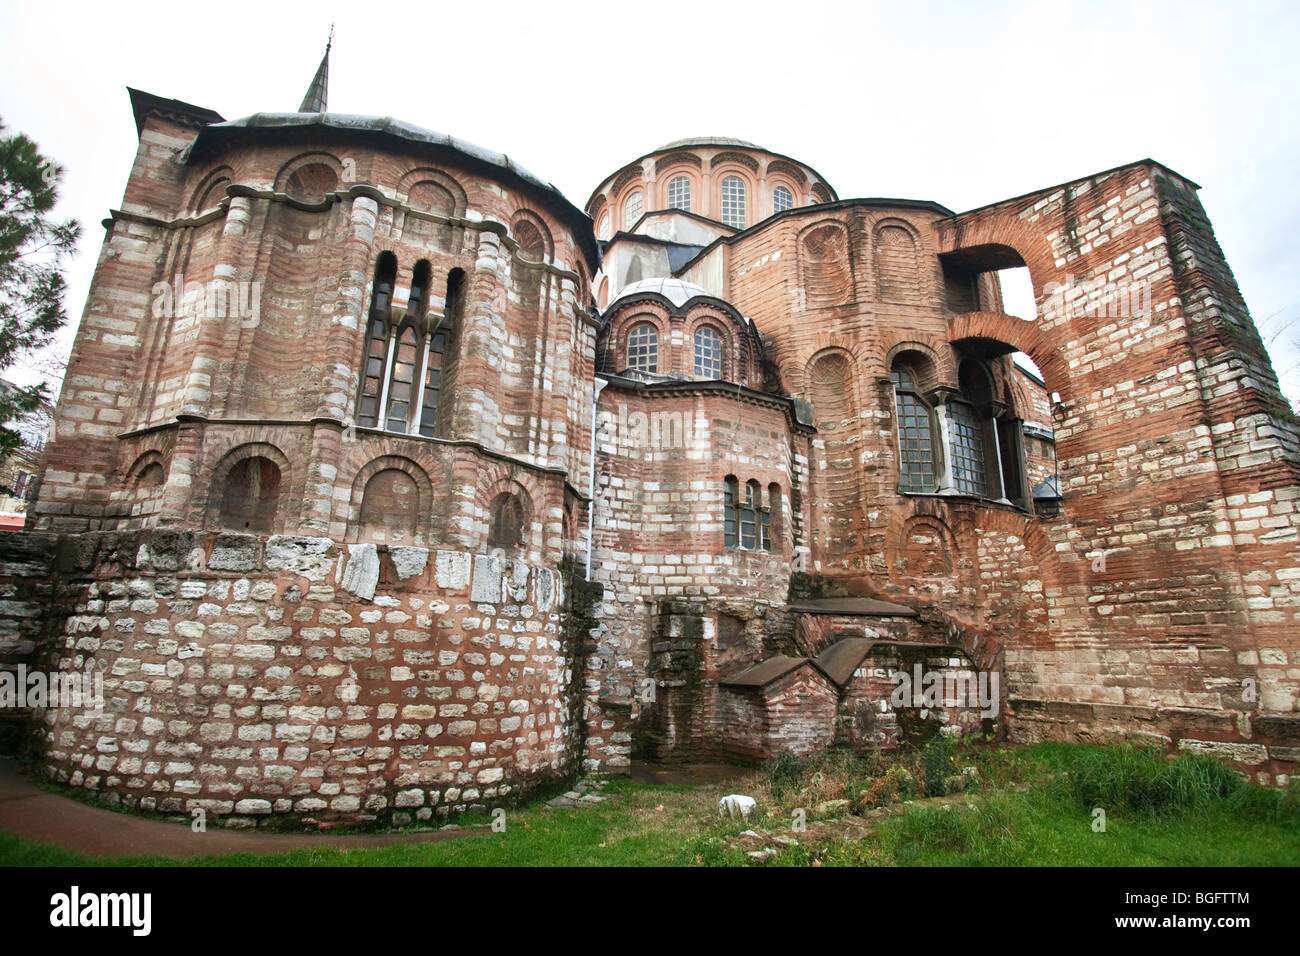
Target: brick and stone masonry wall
(289, 677)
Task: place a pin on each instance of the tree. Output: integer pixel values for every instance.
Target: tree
(33, 248)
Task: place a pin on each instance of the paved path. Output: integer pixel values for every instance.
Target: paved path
(45, 817)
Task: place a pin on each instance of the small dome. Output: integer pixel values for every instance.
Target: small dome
(709, 141)
(674, 290)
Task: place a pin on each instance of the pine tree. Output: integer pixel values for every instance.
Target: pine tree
(33, 248)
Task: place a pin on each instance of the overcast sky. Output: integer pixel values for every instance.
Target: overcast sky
(960, 103)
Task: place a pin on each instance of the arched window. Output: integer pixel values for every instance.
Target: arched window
(773, 518)
(603, 232)
(917, 461)
(402, 371)
(679, 193)
(708, 353)
(782, 199)
(401, 378)
(733, 202)
(506, 529)
(436, 348)
(632, 210)
(376, 356)
(972, 434)
(730, 519)
(749, 516)
(643, 348)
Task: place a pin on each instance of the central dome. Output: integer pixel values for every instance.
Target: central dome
(709, 141)
(676, 291)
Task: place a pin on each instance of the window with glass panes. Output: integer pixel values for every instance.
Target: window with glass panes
(749, 518)
(782, 199)
(916, 458)
(730, 520)
(632, 210)
(402, 379)
(432, 381)
(708, 353)
(679, 193)
(968, 469)
(733, 202)
(643, 348)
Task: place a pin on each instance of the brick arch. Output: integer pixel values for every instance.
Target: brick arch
(898, 271)
(734, 157)
(826, 270)
(423, 490)
(625, 176)
(204, 196)
(1020, 334)
(428, 174)
(942, 563)
(141, 462)
(532, 236)
(494, 480)
(220, 473)
(942, 370)
(794, 368)
(287, 173)
(777, 166)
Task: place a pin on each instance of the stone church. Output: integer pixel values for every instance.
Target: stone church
(387, 482)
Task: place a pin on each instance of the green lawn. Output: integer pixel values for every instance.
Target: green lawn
(1030, 807)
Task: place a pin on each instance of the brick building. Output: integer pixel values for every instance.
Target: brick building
(388, 482)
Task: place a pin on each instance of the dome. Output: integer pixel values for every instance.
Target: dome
(709, 141)
(675, 291)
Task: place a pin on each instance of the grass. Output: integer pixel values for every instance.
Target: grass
(946, 804)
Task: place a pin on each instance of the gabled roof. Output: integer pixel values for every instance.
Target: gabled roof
(843, 658)
(143, 105)
(762, 674)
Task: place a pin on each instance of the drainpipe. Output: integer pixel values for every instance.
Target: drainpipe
(600, 383)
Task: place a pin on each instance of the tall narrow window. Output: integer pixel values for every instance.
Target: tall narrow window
(401, 380)
(764, 519)
(437, 347)
(749, 517)
(733, 202)
(730, 521)
(603, 232)
(775, 512)
(975, 466)
(376, 354)
(968, 469)
(708, 353)
(632, 210)
(679, 193)
(916, 456)
(782, 199)
(643, 348)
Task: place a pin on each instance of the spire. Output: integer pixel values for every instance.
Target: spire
(318, 92)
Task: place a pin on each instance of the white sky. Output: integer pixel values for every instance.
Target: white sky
(961, 103)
